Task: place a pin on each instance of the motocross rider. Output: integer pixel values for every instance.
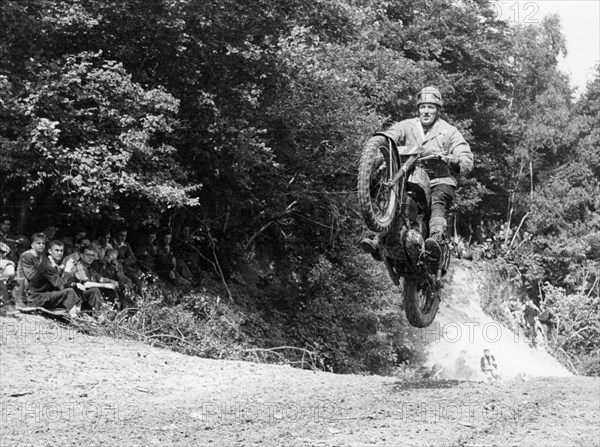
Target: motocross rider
(433, 133)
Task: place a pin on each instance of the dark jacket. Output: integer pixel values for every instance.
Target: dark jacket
(29, 263)
(486, 363)
(49, 278)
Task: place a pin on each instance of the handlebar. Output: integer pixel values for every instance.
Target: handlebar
(414, 157)
(421, 153)
(433, 156)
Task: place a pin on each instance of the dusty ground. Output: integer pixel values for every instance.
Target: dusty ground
(59, 387)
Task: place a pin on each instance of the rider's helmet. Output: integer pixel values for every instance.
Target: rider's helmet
(430, 95)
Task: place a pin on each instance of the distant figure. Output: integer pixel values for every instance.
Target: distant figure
(146, 250)
(78, 249)
(8, 238)
(131, 268)
(29, 263)
(50, 232)
(168, 266)
(489, 367)
(462, 370)
(102, 244)
(111, 269)
(7, 274)
(548, 321)
(533, 327)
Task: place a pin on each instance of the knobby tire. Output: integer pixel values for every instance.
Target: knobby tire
(378, 203)
(420, 303)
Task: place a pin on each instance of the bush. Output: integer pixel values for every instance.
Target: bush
(576, 322)
(347, 320)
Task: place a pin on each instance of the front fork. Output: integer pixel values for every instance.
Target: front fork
(422, 270)
(443, 264)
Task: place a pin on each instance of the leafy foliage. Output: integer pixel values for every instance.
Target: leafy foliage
(92, 137)
(576, 328)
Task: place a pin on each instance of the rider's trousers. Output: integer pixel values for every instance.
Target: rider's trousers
(441, 198)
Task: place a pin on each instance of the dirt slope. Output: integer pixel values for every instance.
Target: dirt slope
(59, 388)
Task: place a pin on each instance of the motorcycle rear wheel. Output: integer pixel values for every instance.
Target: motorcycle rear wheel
(378, 202)
(421, 302)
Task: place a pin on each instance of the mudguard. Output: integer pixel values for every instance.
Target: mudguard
(383, 133)
(403, 151)
(387, 137)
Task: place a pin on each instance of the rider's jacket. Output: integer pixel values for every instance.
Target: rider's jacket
(442, 138)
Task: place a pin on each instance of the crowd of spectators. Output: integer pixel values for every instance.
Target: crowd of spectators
(487, 240)
(82, 275)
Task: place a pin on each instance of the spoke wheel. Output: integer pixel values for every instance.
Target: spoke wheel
(421, 302)
(378, 200)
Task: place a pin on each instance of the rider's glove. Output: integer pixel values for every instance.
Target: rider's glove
(453, 162)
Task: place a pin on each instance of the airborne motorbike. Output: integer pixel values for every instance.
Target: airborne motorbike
(394, 195)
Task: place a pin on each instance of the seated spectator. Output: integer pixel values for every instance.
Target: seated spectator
(185, 249)
(5, 223)
(102, 244)
(131, 268)
(51, 288)
(7, 274)
(89, 278)
(80, 233)
(78, 238)
(23, 244)
(7, 267)
(168, 266)
(68, 243)
(50, 232)
(77, 250)
(27, 267)
(110, 267)
(145, 250)
(7, 237)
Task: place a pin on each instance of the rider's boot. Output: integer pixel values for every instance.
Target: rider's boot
(432, 246)
(433, 242)
(371, 246)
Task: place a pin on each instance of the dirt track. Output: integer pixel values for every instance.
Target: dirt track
(59, 387)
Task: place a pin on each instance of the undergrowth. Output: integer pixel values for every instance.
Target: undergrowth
(343, 317)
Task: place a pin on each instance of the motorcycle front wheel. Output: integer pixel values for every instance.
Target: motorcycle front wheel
(377, 199)
(421, 302)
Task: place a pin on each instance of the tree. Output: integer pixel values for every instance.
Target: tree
(80, 131)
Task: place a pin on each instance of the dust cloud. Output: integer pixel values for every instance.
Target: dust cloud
(462, 326)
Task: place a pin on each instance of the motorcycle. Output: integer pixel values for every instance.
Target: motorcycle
(394, 195)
